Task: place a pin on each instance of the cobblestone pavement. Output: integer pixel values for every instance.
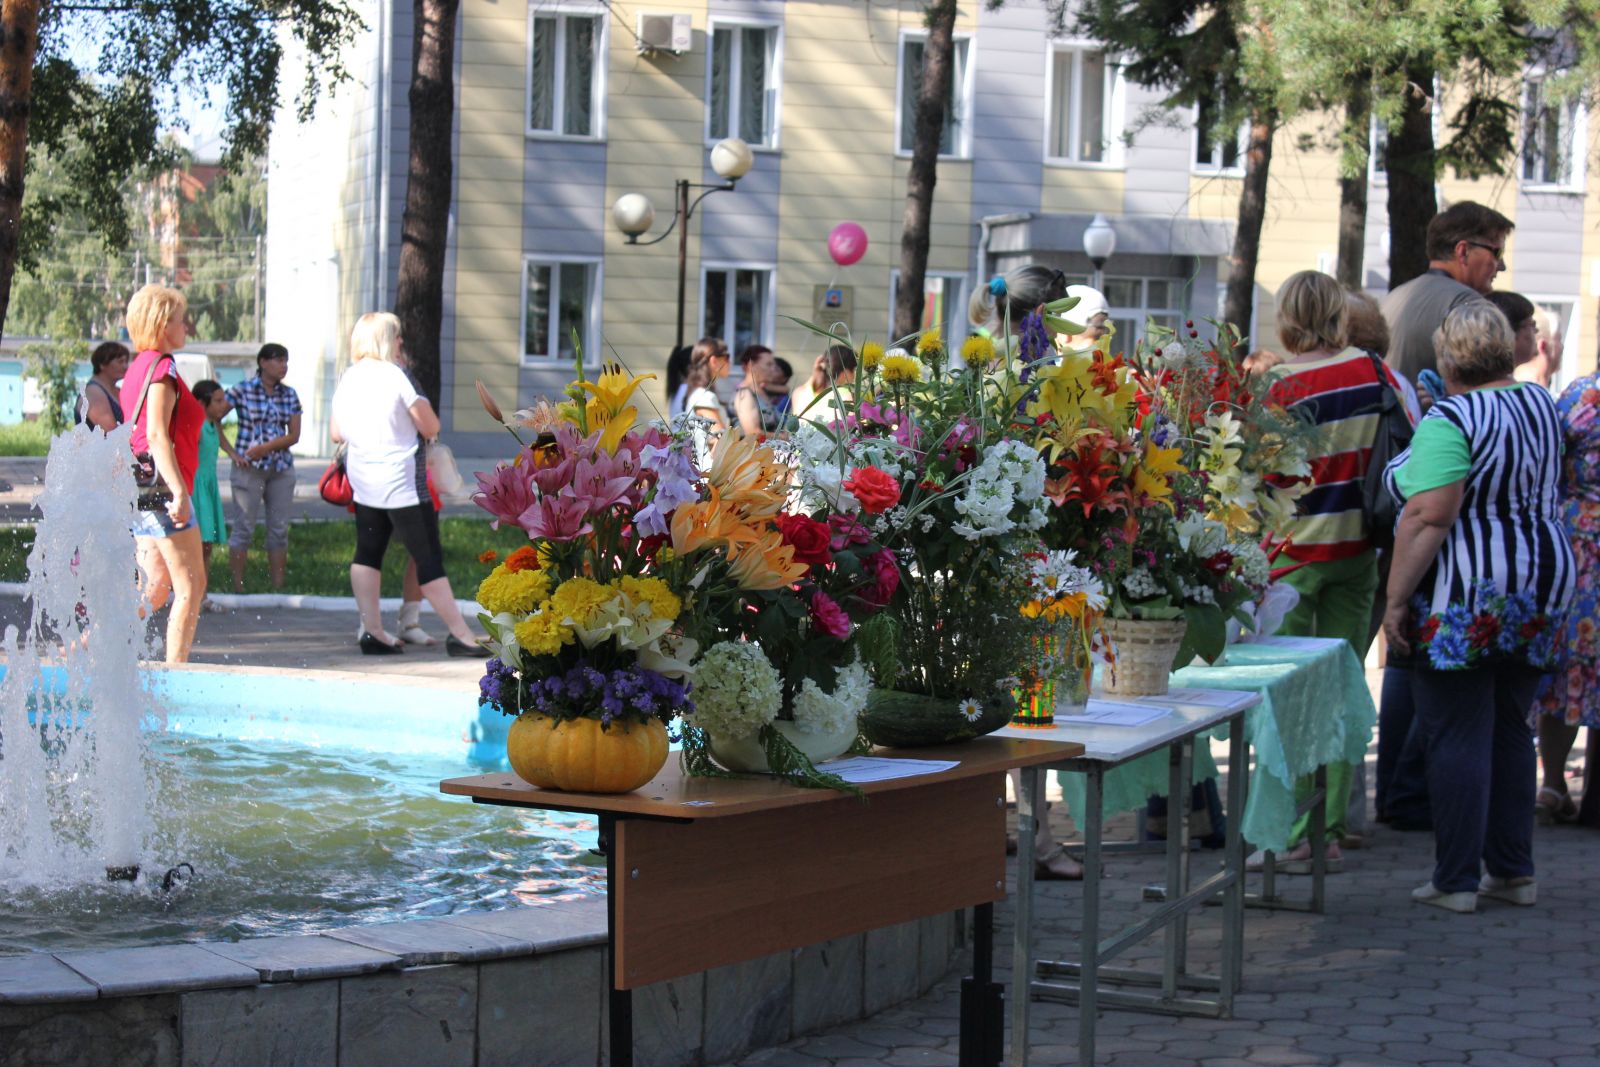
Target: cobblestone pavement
(1377, 980)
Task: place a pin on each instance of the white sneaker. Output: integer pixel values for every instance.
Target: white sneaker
(1465, 902)
(1523, 891)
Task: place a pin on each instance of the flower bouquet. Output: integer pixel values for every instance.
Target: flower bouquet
(926, 453)
(785, 583)
(582, 621)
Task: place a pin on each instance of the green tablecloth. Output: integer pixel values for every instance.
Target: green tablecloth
(1315, 709)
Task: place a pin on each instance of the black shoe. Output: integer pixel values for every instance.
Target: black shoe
(373, 646)
(454, 647)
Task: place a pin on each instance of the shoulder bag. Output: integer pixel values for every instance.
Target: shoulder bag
(153, 492)
(334, 485)
(1392, 438)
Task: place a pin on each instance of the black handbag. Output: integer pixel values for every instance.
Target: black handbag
(153, 492)
(1392, 438)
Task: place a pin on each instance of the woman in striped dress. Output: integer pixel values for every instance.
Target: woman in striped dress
(1482, 579)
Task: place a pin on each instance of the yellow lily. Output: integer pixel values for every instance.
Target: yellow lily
(608, 407)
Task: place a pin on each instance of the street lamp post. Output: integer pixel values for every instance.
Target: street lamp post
(1099, 241)
(633, 213)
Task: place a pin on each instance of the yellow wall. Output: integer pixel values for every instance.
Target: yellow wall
(488, 277)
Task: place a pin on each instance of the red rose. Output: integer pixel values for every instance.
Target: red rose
(876, 490)
(828, 617)
(847, 530)
(809, 538)
(885, 578)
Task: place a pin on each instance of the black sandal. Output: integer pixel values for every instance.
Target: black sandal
(374, 646)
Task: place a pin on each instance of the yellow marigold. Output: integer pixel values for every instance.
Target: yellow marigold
(664, 603)
(518, 592)
(871, 355)
(977, 351)
(901, 369)
(578, 599)
(930, 342)
(542, 634)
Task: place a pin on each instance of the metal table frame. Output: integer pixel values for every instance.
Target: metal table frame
(1177, 991)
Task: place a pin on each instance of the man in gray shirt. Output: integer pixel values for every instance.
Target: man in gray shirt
(1466, 249)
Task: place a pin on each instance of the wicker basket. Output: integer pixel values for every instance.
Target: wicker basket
(1145, 651)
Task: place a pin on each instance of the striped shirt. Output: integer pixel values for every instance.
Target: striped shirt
(1341, 394)
(1503, 579)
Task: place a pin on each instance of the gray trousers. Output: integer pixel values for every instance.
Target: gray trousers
(250, 488)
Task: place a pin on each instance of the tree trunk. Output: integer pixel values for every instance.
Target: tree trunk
(1240, 299)
(419, 298)
(1412, 167)
(1353, 187)
(938, 58)
(19, 42)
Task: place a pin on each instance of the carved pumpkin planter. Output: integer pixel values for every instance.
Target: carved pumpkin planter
(578, 756)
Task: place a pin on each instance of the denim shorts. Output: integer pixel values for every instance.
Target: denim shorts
(157, 524)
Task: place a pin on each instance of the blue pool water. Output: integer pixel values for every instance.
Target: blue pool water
(310, 803)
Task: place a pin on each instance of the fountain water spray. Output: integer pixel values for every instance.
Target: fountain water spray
(74, 803)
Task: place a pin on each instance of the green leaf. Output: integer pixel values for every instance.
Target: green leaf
(1207, 635)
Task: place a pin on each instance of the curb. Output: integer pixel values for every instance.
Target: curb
(301, 601)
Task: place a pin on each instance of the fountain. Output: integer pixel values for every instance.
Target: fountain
(74, 792)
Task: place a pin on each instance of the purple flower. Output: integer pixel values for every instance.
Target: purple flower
(1033, 343)
(675, 485)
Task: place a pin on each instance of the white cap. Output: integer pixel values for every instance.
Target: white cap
(1091, 302)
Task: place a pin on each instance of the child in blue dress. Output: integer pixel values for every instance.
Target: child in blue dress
(207, 496)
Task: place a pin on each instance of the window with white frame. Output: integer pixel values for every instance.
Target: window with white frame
(954, 139)
(1214, 152)
(736, 305)
(559, 302)
(742, 98)
(1134, 302)
(1082, 123)
(944, 304)
(1550, 133)
(566, 69)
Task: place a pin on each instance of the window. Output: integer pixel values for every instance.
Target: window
(1133, 302)
(1550, 129)
(737, 305)
(565, 74)
(1081, 123)
(953, 139)
(560, 300)
(944, 304)
(1214, 154)
(742, 100)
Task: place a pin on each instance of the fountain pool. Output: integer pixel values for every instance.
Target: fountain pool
(322, 813)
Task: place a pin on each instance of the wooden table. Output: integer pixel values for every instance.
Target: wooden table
(704, 872)
(1176, 991)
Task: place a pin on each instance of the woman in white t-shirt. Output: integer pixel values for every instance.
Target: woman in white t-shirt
(385, 425)
(707, 363)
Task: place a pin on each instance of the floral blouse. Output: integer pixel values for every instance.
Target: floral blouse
(1579, 408)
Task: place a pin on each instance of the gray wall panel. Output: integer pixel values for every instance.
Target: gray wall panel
(1547, 248)
(1008, 111)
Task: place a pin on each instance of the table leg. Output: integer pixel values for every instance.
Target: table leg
(1030, 802)
(982, 1002)
(1175, 938)
(619, 1002)
(1089, 954)
(1233, 858)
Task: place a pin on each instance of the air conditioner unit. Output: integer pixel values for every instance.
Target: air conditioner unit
(672, 33)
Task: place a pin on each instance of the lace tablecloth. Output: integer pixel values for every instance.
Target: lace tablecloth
(1315, 709)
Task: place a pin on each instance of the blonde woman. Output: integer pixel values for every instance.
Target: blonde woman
(385, 425)
(166, 423)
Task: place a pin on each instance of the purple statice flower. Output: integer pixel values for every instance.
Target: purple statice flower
(1033, 344)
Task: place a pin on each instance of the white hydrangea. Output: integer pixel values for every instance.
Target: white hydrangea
(1200, 594)
(816, 712)
(1140, 584)
(736, 689)
(1255, 570)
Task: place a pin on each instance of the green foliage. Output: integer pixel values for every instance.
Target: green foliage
(54, 368)
(795, 767)
(79, 283)
(23, 439)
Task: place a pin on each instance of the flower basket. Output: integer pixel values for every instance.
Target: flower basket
(1145, 651)
(898, 719)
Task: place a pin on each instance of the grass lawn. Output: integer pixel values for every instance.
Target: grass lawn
(24, 439)
(319, 557)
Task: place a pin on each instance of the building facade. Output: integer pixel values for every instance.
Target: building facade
(561, 109)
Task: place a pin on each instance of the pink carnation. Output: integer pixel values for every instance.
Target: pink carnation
(828, 617)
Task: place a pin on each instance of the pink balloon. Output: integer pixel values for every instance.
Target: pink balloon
(847, 243)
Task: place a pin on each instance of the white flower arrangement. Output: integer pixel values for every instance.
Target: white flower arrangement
(816, 712)
(1011, 474)
(736, 689)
